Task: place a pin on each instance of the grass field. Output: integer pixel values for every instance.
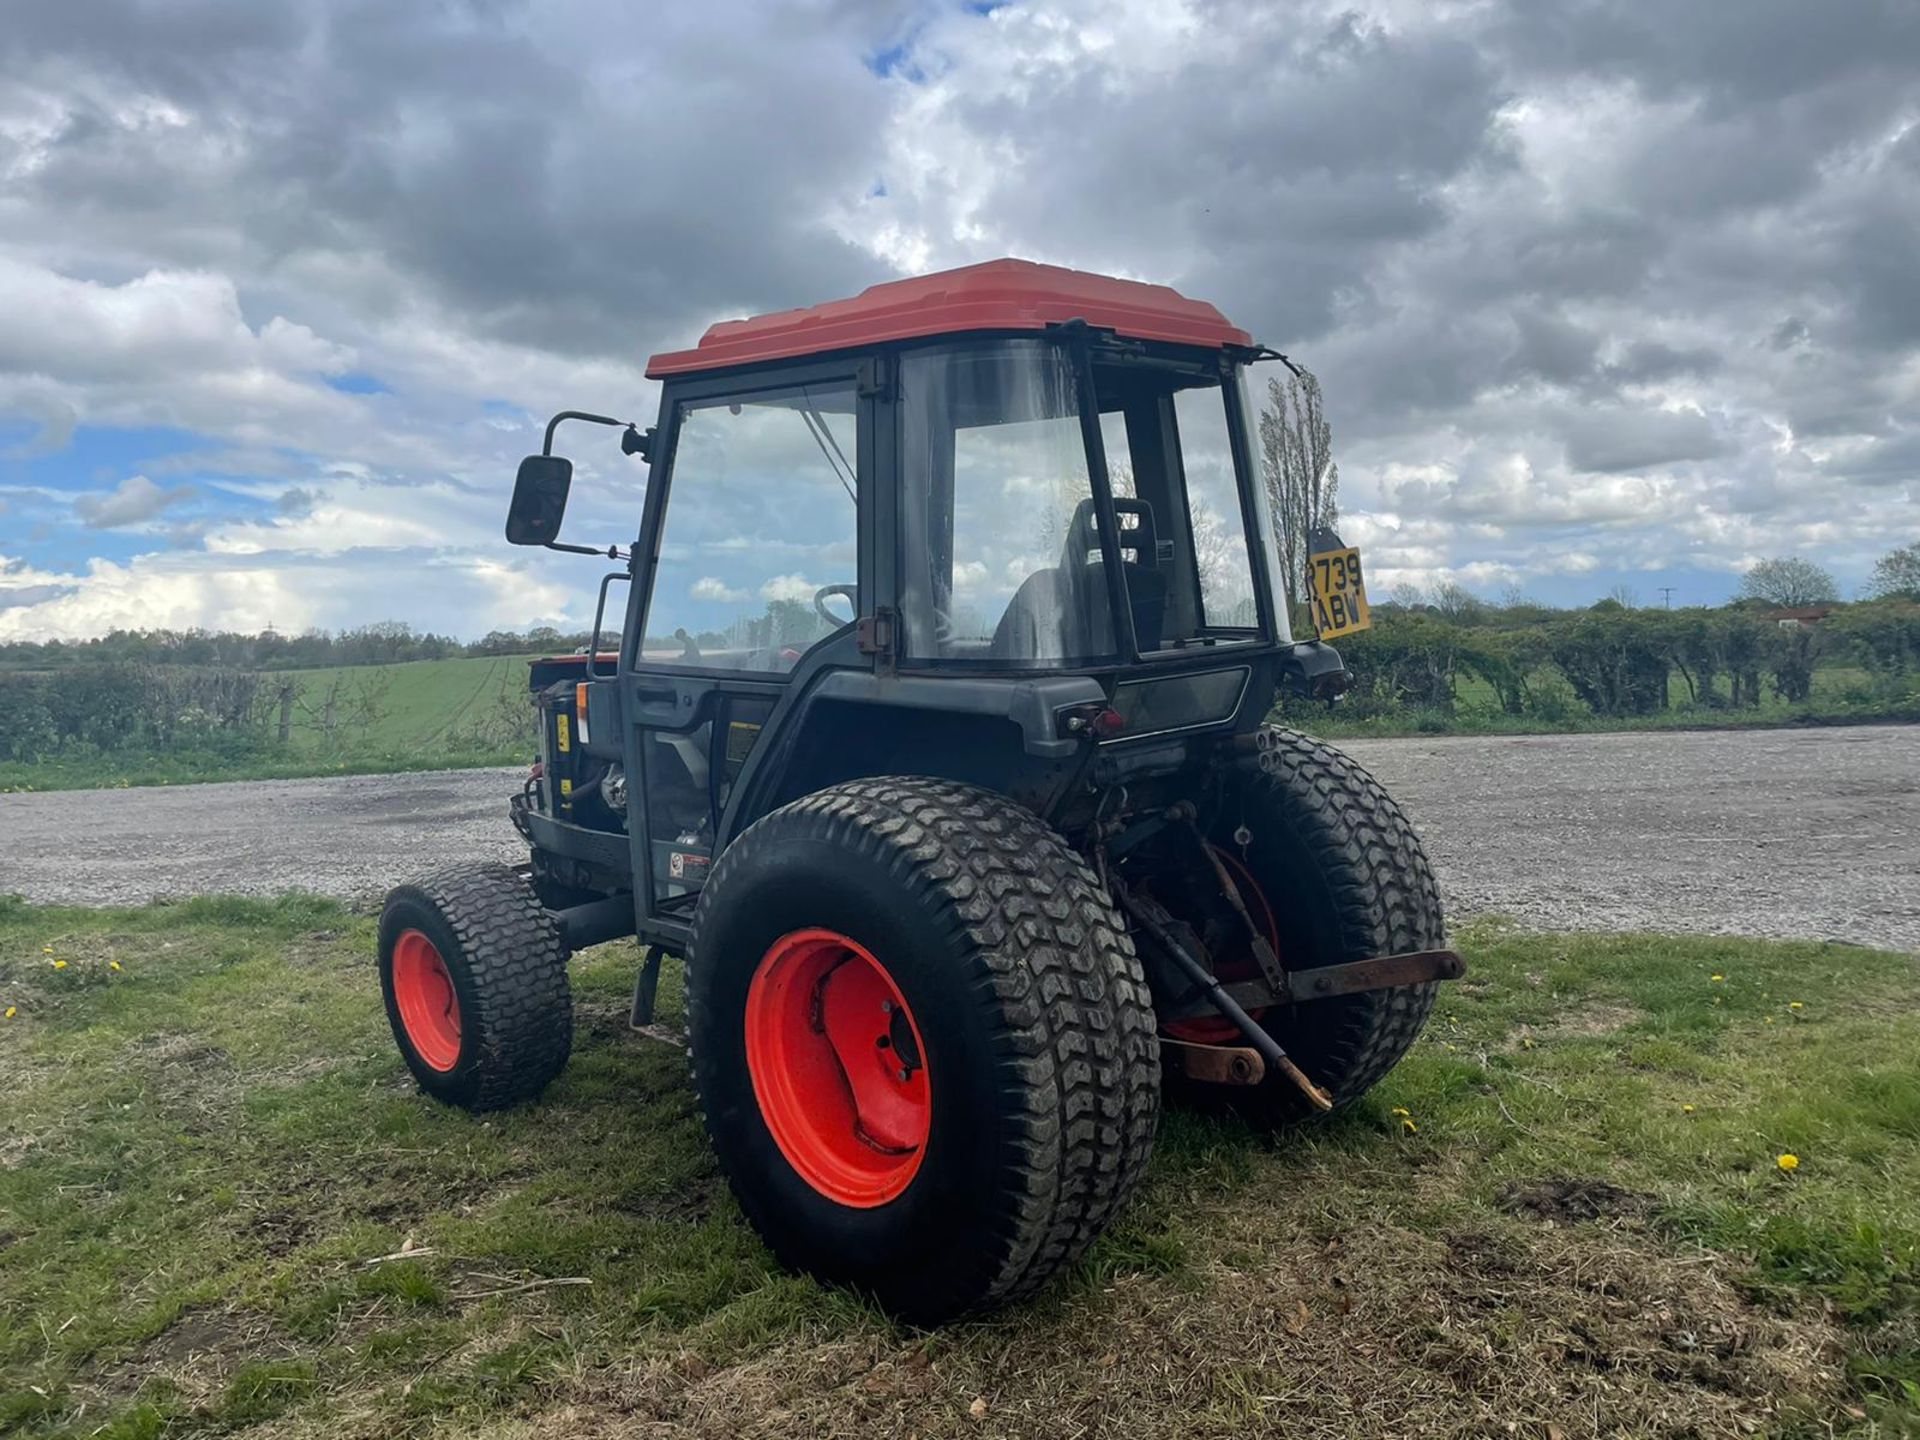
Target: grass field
(418, 715)
(423, 702)
(224, 1209)
(458, 713)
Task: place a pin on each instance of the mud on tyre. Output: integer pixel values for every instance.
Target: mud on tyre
(922, 1043)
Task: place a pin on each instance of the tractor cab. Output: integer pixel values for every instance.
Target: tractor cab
(980, 525)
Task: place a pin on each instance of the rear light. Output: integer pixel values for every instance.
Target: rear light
(580, 710)
(1100, 721)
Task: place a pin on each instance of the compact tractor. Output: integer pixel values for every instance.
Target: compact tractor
(934, 742)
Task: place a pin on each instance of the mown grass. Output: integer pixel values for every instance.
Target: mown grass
(1578, 1222)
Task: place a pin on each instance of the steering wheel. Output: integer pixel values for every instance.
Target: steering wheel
(820, 603)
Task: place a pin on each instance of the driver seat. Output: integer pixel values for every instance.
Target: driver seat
(1054, 607)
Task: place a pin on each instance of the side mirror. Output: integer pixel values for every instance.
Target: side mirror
(539, 499)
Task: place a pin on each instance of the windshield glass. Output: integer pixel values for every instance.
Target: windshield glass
(1000, 557)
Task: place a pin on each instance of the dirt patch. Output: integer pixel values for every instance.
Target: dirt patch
(196, 1356)
(1568, 1199)
(1373, 1330)
(1594, 1020)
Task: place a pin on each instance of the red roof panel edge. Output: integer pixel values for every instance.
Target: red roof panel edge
(1010, 295)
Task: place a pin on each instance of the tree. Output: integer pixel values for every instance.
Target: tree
(1296, 459)
(1896, 574)
(1457, 603)
(1788, 582)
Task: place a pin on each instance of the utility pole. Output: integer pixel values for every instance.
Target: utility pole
(1666, 593)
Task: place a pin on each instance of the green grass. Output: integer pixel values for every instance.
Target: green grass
(425, 702)
(426, 715)
(205, 1154)
(467, 712)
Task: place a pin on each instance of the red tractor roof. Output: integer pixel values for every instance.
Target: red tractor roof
(998, 295)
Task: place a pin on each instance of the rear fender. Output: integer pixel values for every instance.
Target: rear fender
(1002, 734)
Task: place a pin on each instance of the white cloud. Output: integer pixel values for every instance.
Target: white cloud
(788, 587)
(710, 587)
(181, 590)
(1577, 286)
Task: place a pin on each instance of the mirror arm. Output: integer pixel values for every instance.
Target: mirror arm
(612, 552)
(546, 447)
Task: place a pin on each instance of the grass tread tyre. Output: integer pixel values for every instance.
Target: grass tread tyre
(1364, 887)
(1020, 963)
(508, 961)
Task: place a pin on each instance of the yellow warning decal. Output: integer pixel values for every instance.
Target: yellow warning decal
(560, 733)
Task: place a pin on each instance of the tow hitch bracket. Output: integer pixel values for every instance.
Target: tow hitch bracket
(1383, 972)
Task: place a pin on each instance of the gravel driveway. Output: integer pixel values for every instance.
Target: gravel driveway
(1788, 833)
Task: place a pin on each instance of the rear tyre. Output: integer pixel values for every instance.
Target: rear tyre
(922, 1042)
(474, 972)
(1341, 876)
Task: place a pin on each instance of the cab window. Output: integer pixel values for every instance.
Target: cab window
(758, 548)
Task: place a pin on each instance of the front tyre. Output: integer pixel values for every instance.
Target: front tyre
(922, 1043)
(474, 973)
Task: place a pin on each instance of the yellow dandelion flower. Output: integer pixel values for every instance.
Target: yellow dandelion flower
(1406, 1123)
(1795, 1005)
(12, 1011)
(1401, 1110)
(59, 964)
(1686, 1109)
(1789, 1161)
(46, 949)
(1716, 978)
(113, 964)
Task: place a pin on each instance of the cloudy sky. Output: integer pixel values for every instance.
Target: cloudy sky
(1601, 292)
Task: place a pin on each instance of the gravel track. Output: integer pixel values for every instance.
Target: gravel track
(1807, 834)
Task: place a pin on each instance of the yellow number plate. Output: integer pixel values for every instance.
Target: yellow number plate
(1339, 593)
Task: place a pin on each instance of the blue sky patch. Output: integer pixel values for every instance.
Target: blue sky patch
(96, 457)
(358, 383)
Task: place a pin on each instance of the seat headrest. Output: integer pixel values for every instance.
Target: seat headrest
(1139, 539)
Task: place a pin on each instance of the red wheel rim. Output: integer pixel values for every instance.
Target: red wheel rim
(424, 995)
(838, 1067)
(1239, 965)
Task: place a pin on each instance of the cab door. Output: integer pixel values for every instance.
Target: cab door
(755, 530)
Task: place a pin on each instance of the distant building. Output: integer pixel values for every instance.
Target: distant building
(1800, 617)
